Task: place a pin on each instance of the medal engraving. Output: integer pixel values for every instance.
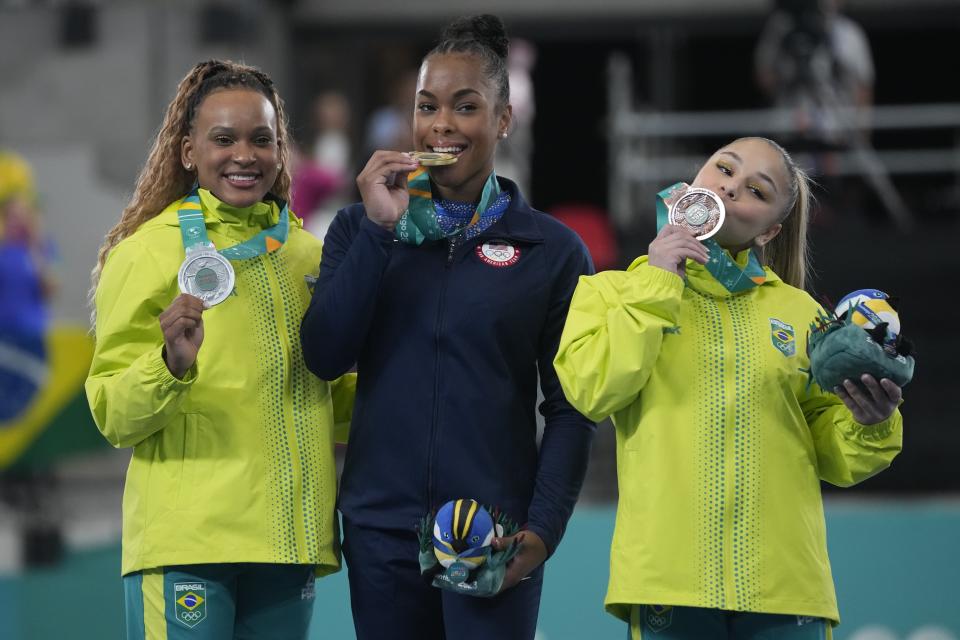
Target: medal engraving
(207, 275)
(699, 210)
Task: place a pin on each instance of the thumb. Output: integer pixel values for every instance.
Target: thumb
(500, 543)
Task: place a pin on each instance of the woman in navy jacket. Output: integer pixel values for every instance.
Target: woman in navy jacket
(450, 325)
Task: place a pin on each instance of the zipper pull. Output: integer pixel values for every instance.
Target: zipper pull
(451, 247)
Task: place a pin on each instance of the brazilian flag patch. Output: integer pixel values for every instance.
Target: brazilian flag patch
(783, 337)
(191, 602)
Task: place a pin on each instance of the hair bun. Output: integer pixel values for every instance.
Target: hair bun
(486, 29)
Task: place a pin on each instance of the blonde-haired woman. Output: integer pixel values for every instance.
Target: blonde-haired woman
(698, 353)
(228, 510)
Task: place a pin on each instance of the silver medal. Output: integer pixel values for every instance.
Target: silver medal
(699, 210)
(206, 274)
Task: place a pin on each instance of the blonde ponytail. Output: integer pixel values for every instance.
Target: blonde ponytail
(788, 254)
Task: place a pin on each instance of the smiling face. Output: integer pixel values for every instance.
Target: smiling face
(751, 178)
(233, 145)
(457, 112)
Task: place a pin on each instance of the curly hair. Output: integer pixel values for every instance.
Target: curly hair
(163, 178)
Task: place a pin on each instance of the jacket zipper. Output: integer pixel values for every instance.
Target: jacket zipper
(438, 330)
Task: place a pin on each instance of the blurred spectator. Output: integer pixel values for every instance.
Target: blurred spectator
(25, 285)
(390, 126)
(817, 62)
(515, 153)
(316, 191)
(320, 181)
(331, 149)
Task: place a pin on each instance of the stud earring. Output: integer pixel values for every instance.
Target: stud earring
(279, 166)
(188, 166)
(503, 135)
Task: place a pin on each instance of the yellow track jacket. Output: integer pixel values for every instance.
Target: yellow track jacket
(721, 444)
(235, 462)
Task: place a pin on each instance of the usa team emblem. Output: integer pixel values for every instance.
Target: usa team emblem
(498, 253)
(783, 337)
(190, 599)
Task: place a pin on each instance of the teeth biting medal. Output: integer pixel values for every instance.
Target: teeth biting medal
(431, 159)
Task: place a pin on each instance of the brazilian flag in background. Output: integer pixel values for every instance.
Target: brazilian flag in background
(54, 421)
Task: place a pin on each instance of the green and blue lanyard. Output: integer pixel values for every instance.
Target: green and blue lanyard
(429, 218)
(193, 230)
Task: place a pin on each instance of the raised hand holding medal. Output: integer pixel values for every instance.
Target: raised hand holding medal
(206, 278)
(182, 327)
(684, 215)
(383, 186)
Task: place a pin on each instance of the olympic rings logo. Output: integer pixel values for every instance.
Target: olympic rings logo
(498, 253)
(191, 616)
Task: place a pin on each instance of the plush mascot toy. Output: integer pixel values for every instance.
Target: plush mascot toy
(861, 336)
(456, 552)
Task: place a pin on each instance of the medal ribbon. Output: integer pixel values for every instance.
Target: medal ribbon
(721, 266)
(427, 218)
(193, 230)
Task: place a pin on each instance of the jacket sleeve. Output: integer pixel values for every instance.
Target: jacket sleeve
(341, 311)
(847, 451)
(343, 391)
(567, 434)
(613, 334)
(131, 392)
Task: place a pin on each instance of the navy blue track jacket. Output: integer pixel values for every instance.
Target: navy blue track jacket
(447, 346)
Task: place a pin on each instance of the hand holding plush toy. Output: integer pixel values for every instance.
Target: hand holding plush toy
(854, 350)
(456, 552)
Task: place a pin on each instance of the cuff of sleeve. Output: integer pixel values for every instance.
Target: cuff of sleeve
(657, 288)
(657, 277)
(381, 235)
(548, 539)
(168, 382)
(878, 431)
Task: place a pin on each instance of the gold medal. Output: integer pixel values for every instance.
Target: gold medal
(431, 159)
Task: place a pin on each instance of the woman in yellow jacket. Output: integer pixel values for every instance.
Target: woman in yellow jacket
(228, 510)
(721, 442)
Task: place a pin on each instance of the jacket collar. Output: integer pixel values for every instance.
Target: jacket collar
(519, 221)
(261, 214)
(235, 222)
